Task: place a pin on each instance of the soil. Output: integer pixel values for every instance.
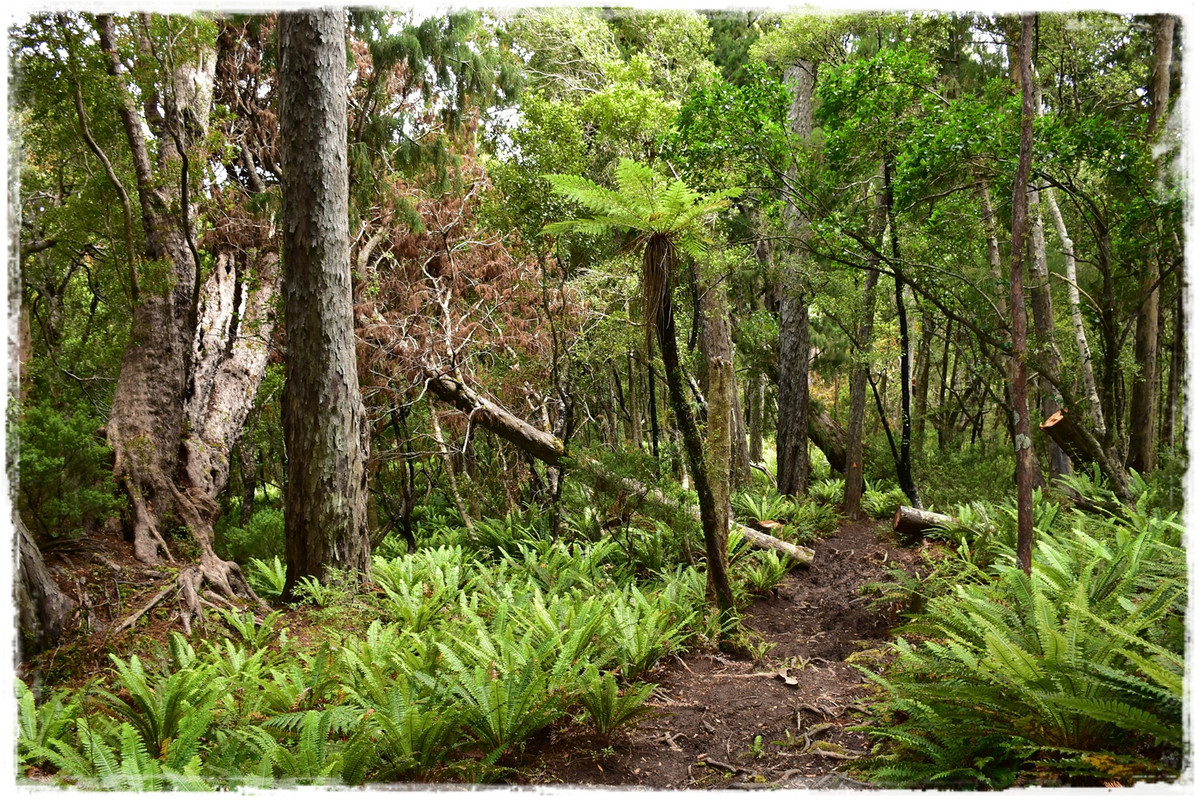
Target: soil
(718, 721)
(726, 722)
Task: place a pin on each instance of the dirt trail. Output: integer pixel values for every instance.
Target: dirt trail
(713, 708)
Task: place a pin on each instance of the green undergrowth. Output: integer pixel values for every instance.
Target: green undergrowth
(445, 667)
(1072, 675)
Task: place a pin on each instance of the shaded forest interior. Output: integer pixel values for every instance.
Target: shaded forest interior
(400, 396)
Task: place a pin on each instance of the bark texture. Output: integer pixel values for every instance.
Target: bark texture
(855, 482)
(324, 422)
(1142, 439)
(794, 334)
(1025, 464)
(43, 610)
(197, 351)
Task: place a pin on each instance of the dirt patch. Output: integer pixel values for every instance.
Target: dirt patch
(727, 722)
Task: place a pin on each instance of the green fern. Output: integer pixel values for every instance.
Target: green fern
(165, 711)
(267, 578)
(608, 708)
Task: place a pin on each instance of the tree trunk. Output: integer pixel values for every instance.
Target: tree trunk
(190, 372)
(855, 482)
(43, 610)
(1084, 449)
(1173, 408)
(828, 436)
(904, 465)
(756, 399)
(1142, 442)
(913, 522)
(1025, 465)
(794, 336)
(634, 400)
(1080, 331)
(504, 423)
(659, 265)
(1043, 323)
(920, 401)
(717, 351)
(324, 422)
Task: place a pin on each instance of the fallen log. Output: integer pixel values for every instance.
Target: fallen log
(549, 449)
(913, 522)
(1084, 450)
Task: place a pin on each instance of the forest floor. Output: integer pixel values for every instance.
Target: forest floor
(718, 721)
(727, 722)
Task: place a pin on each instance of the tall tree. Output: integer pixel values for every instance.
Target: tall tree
(794, 332)
(324, 422)
(1025, 463)
(1142, 441)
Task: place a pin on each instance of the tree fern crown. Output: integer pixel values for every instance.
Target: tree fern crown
(644, 201)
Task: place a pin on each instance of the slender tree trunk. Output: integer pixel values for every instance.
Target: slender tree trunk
(794, 335)
(721, 391)
(1173, 407)
(1025, 465)
(634, 401)
(920, 401)
(660, 264)
(1043, 322)
(1080, 332)
(1142, 443)
(904, 465)
(944, 422)
(756, 399)
(324, 422)
(855, 482)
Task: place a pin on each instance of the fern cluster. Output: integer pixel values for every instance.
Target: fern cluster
(1074, 672)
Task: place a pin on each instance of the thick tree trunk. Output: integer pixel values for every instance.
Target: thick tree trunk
(1025, 466)
(828, 436)
(190, 372)
(43, 610)
(794, 336)
(324, 422)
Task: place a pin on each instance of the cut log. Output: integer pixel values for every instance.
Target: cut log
(1084, 450)
(913, 522)
(798, 554)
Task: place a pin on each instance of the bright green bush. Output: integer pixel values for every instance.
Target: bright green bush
(65, 479)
